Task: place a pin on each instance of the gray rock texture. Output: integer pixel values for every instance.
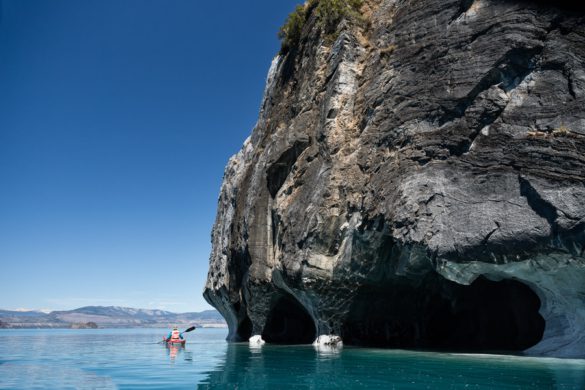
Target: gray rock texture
(417, 181)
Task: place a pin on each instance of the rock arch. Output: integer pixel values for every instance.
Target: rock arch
(288, 322)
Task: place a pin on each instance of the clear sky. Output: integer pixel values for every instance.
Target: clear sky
(117, 118)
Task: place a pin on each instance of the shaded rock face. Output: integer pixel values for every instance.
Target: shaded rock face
(419, 182)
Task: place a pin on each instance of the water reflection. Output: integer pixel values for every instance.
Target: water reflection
(131, 359)
(324, 350)
(106, 358)
(175, 352)
(305, 367)
(264, 367)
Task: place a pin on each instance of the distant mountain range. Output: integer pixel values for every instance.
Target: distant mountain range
(108, 317)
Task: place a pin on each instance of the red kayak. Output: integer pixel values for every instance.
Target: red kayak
(175, 342)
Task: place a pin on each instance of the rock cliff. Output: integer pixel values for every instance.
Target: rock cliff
(417, 180)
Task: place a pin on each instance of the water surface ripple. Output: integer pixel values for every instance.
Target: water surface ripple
(132, 359)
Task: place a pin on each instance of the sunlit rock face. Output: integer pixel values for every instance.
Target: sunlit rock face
(416, 183)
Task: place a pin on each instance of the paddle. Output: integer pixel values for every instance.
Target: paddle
(189, 329)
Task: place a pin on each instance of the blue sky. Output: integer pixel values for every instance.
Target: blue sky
(117, 118)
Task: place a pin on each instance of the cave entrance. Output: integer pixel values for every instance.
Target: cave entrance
(289, 323)
(439, 314)
(244, 331)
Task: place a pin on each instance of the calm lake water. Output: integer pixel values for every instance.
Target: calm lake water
(132, 359)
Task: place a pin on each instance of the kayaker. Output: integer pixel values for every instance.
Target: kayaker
(174, 335)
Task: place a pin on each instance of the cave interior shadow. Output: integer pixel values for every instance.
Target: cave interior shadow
(486, 316)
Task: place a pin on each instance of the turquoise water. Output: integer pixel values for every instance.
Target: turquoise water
(132, 359)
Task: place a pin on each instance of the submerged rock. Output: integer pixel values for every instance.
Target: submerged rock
(416, 180)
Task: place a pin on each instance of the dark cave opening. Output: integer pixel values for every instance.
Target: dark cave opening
(244, 331)
(278, 172)
(289, 323)
(442, 315)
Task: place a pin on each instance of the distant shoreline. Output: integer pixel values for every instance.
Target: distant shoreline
(108, 317)
(105, 326)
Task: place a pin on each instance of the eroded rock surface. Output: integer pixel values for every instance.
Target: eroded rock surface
(417, 182)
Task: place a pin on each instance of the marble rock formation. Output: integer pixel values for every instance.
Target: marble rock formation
(328, 341)
(414, 180)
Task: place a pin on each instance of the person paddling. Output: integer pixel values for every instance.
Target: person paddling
(174, 335)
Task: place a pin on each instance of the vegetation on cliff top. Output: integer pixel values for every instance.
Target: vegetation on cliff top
(329, 14)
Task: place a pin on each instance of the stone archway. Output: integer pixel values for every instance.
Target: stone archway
(288, 322)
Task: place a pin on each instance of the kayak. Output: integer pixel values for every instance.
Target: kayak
(177, 342)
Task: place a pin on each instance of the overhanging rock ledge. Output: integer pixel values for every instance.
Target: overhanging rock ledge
(415, 180)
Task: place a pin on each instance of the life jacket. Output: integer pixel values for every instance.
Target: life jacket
(175, 335)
